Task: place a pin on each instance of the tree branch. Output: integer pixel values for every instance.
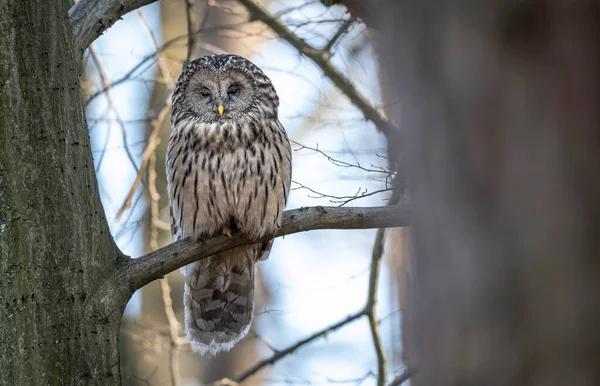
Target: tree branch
(133, 274)
(321, 59)
(378, 249)
(400, 379)
(90, 18)
(154, 265)
(280, 354)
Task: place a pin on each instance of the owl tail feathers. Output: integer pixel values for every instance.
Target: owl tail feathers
(218, 314)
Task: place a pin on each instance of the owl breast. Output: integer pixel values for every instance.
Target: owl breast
(228, 174)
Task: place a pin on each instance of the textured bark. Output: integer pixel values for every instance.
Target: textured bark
(90, 18)
(55, 246)
(499, 101)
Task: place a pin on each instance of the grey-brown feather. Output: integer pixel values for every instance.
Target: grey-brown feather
(222, 172)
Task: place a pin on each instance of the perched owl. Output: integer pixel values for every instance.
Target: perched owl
(228, 167)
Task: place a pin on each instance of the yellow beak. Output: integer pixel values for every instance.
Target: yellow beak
(220, 109)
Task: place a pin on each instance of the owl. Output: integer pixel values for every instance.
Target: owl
(228, 167)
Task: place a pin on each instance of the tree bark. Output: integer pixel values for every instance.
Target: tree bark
(55, 245)
(499, 102)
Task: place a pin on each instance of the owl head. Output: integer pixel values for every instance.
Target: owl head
(221, 88)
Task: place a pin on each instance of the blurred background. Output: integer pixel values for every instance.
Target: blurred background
(311, 281)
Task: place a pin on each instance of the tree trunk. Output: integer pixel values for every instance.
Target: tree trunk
(499, 102)
(55, 246)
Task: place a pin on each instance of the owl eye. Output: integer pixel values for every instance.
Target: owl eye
(205, 93)
(232, 90)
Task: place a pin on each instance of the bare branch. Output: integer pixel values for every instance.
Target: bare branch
(344, 164)
(154, 265)
(342, 30)
(148, 60)
(368, 310)
(111, 106)
(90, 18)
(153, 142)
(282, 353)
(132, 274)
(372, 301)
(162, 63)
(175, 340)
(321, 58)
(341, 200)
(400, 379)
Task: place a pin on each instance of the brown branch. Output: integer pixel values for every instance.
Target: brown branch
(175, 340)
(341, 31)
(162, 63)
(280, 354)
(400, 379)
(368, 310)
(90, 18)
(321, 59)
(111, 106)
(372, 301)
(153, 142)
(154, 55)
(132, 274)
(154, 265)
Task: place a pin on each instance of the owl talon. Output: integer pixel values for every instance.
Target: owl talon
(238, 225)
(227, 232)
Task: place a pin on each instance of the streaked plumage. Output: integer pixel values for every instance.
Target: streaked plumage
(225, 172)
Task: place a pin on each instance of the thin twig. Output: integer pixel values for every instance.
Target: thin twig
(341, 200)
(266, 342)
(321, 59)
(368, 310)
(280, 354)
(127, 75)
(153, 142)
(400, 379)
(341, 163)
(162, 63)
(342, 30)
(154, 55)
(111, 106)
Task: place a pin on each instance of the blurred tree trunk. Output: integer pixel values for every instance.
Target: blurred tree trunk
(55, 245)
(499, 107)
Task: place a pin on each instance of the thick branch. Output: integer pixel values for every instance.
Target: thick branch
(90, 18)
(133, 274)
(321, 59)
(152, 266)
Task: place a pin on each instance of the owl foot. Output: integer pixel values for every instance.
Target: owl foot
(227, 231)
(238, 225)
